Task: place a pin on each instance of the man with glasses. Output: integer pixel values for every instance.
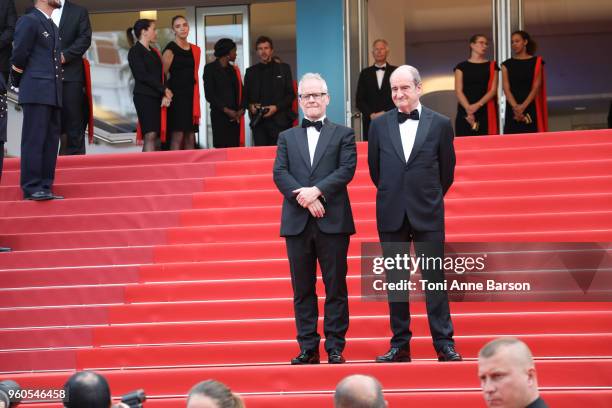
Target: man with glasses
(268, 95)
(314, 163)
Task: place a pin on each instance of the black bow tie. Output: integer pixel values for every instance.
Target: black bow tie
(380, 68)
(402, 117)
(307, 123)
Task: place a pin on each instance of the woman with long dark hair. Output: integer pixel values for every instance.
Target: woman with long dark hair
(476, 87)
(524, 84)
(151, 96)
(181, 62)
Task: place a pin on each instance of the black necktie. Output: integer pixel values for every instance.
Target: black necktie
(381, 68)
(307, 123)
(402, 117)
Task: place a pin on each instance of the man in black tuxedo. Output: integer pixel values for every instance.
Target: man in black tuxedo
(8, 18)
(36, 71)
(412, 163)
(314, 163)
(268, 85)
(75, 38)
(373, 89)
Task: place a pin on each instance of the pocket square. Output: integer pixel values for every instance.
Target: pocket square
(45, 34)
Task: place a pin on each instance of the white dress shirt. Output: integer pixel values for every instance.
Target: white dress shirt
(408, 131)
(56, 16)
(313, 138)
(380, 74)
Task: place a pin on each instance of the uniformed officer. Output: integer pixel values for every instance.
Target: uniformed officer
(36, 71)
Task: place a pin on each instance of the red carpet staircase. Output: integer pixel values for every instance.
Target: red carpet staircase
(164, 269)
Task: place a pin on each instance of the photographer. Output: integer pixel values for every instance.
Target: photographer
(222, 89)
(87, 389)
(268, 95)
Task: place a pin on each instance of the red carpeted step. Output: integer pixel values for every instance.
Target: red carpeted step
(109, 173)
(78, 206)
(285, 378)
(57, 296)
(277, 352)
(247, 308)
(283, 329)
(77, 257)
(69, 276)
(112, 189)
(134, 159)
(530, 139)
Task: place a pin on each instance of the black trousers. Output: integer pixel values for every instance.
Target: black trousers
(73, 118)
(303, 252)
(39, 142)
(225, 132)
(438, 311)
(266, 132)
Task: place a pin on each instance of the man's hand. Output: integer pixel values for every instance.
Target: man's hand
(272, 109)
(63, 59)
(168, 93)
(316, 209)
(376, 114)
(307, 195)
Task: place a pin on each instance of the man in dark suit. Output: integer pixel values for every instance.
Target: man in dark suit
(314, 163)
(8, 18)
(373, 89)
(268, 85)
(508, 375)
(412, 163)
(75, 38)
(36, 71)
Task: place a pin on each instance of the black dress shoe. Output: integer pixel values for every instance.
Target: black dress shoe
(306, 357)
(5, 249)
(448, 353)
(56, 197)
(335, 357)
(39, 196)
(395, 355)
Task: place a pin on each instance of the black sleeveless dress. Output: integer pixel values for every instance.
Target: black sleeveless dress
(181, 82)
(475, 85)
(520, 75)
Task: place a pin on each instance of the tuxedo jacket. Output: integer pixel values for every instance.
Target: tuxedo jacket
(415, 187)
(8, 18)
(75, 38)
(36, 50)
(333, 167)
(370, 98)
(283, 94)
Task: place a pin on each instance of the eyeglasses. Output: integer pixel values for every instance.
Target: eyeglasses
(315, 96)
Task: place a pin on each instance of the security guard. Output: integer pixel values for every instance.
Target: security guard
(36, 71)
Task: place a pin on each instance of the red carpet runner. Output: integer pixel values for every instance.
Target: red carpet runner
(164, 269)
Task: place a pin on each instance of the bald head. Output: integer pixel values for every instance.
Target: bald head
(507, 373)
(87, 389)
(359, 391)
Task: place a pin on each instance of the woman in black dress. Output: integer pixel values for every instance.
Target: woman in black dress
(476, 87)
(181, 62)
(525, 89)
(150, 93)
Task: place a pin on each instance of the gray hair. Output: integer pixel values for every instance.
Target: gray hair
(312, 76)
(380, 40)
(411, 70)
(359, 391)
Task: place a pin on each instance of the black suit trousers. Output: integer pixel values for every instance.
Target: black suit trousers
(266, 132)
(330, 250)
(73, 117)
(438, 311)
(39, 142)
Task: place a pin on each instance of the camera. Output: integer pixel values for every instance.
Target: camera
(9, 390)
(134, 399)
(258, 115)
